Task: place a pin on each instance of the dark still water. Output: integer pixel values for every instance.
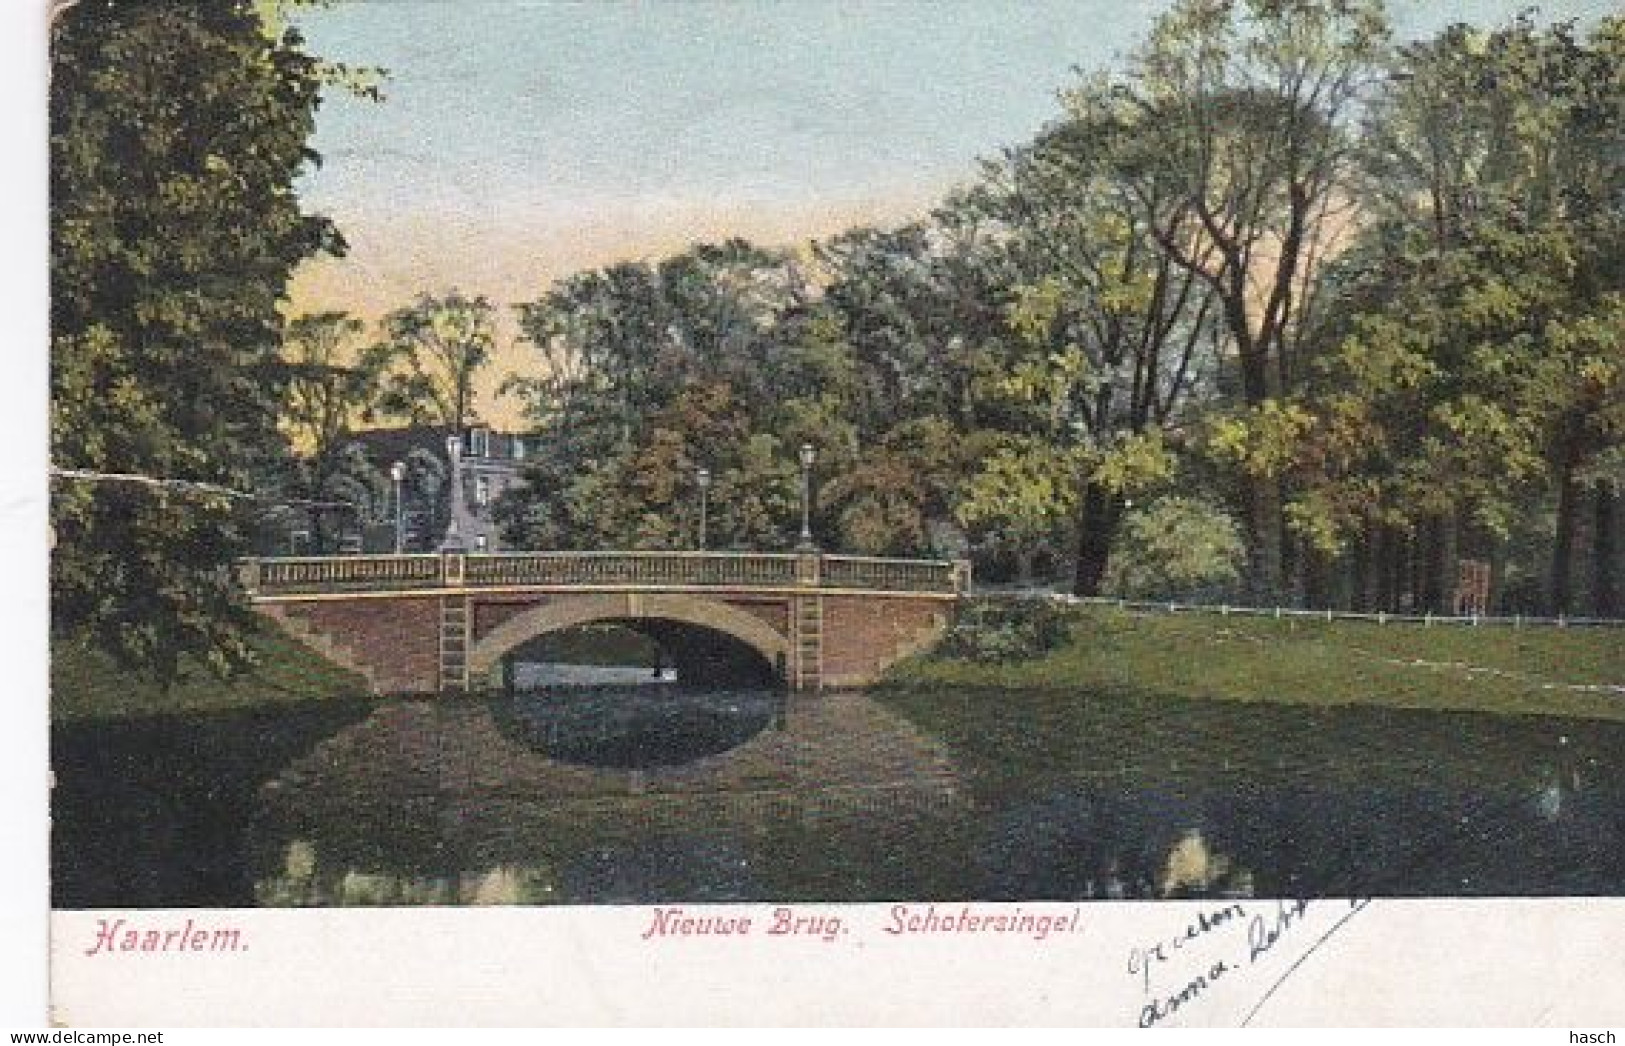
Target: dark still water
(656, 793)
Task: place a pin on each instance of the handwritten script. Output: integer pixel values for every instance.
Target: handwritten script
(1225, 949)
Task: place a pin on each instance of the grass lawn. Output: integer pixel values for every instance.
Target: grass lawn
(87, 686)
(1535, 671)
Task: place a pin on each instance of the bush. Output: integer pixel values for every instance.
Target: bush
(1008, 630)
(1176, 548)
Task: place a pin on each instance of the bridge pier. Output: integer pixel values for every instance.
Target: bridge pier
(806, 668)
(456, 639)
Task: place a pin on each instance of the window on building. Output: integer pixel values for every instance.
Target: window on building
(480, 543)
(479, 443)
(482, 491)
(519, 448)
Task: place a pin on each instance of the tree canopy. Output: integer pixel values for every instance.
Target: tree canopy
(177, 130)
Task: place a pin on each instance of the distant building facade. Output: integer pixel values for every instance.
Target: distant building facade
(490, 464)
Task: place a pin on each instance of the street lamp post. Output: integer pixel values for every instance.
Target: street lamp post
(703, 478)
(397, 472)
(454, 533)
(808, 456)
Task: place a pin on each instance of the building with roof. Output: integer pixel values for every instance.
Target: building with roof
(489, 464)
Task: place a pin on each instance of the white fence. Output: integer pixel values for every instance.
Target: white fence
(1377, 617)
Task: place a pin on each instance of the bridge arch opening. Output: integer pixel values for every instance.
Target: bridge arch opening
(609, 653)
(707, 642)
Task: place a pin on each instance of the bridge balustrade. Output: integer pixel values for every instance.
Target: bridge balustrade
(344, 573)
(629, 568)
(890, 575)
(299, 575)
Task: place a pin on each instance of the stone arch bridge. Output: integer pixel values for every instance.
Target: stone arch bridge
(415, 624)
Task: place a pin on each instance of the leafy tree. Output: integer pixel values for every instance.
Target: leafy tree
(918, 306)
(432, 352)
(1113, 337)
(425, 507)
(1244, 122)
(723, 303)
(358, 484)
(617, 343)
(884, 501)
(174, 229)
(653, 371)
(644, 495)
(756, 500)
(1024, 497)
(594, 334)
(1476, 380)
(1477, 391)
(1576, 395)
(332, 386)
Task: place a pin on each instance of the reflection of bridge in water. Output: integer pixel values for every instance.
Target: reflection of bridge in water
(466, 801)
(434, 623)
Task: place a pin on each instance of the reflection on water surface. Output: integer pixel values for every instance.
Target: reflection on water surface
(637, 727)
(663, 794)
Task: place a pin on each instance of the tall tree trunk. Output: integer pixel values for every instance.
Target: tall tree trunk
(1381, 595)
(1098, 518)
(1435, 590)
(1423, 575)
(1264, 559)
(1295, 557)
(1359, 572)
(1316, 570)
(1449, 560)
(1394, 557)
(1498, 571)
(1605, 554)
(1261, 494)
(1568, 493)
(1411, 584)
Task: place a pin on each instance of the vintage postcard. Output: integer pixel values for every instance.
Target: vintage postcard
(981, 512)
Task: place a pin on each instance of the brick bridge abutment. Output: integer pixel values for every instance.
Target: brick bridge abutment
(443, 623)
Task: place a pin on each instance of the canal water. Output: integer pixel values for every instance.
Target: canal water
(653, 792)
